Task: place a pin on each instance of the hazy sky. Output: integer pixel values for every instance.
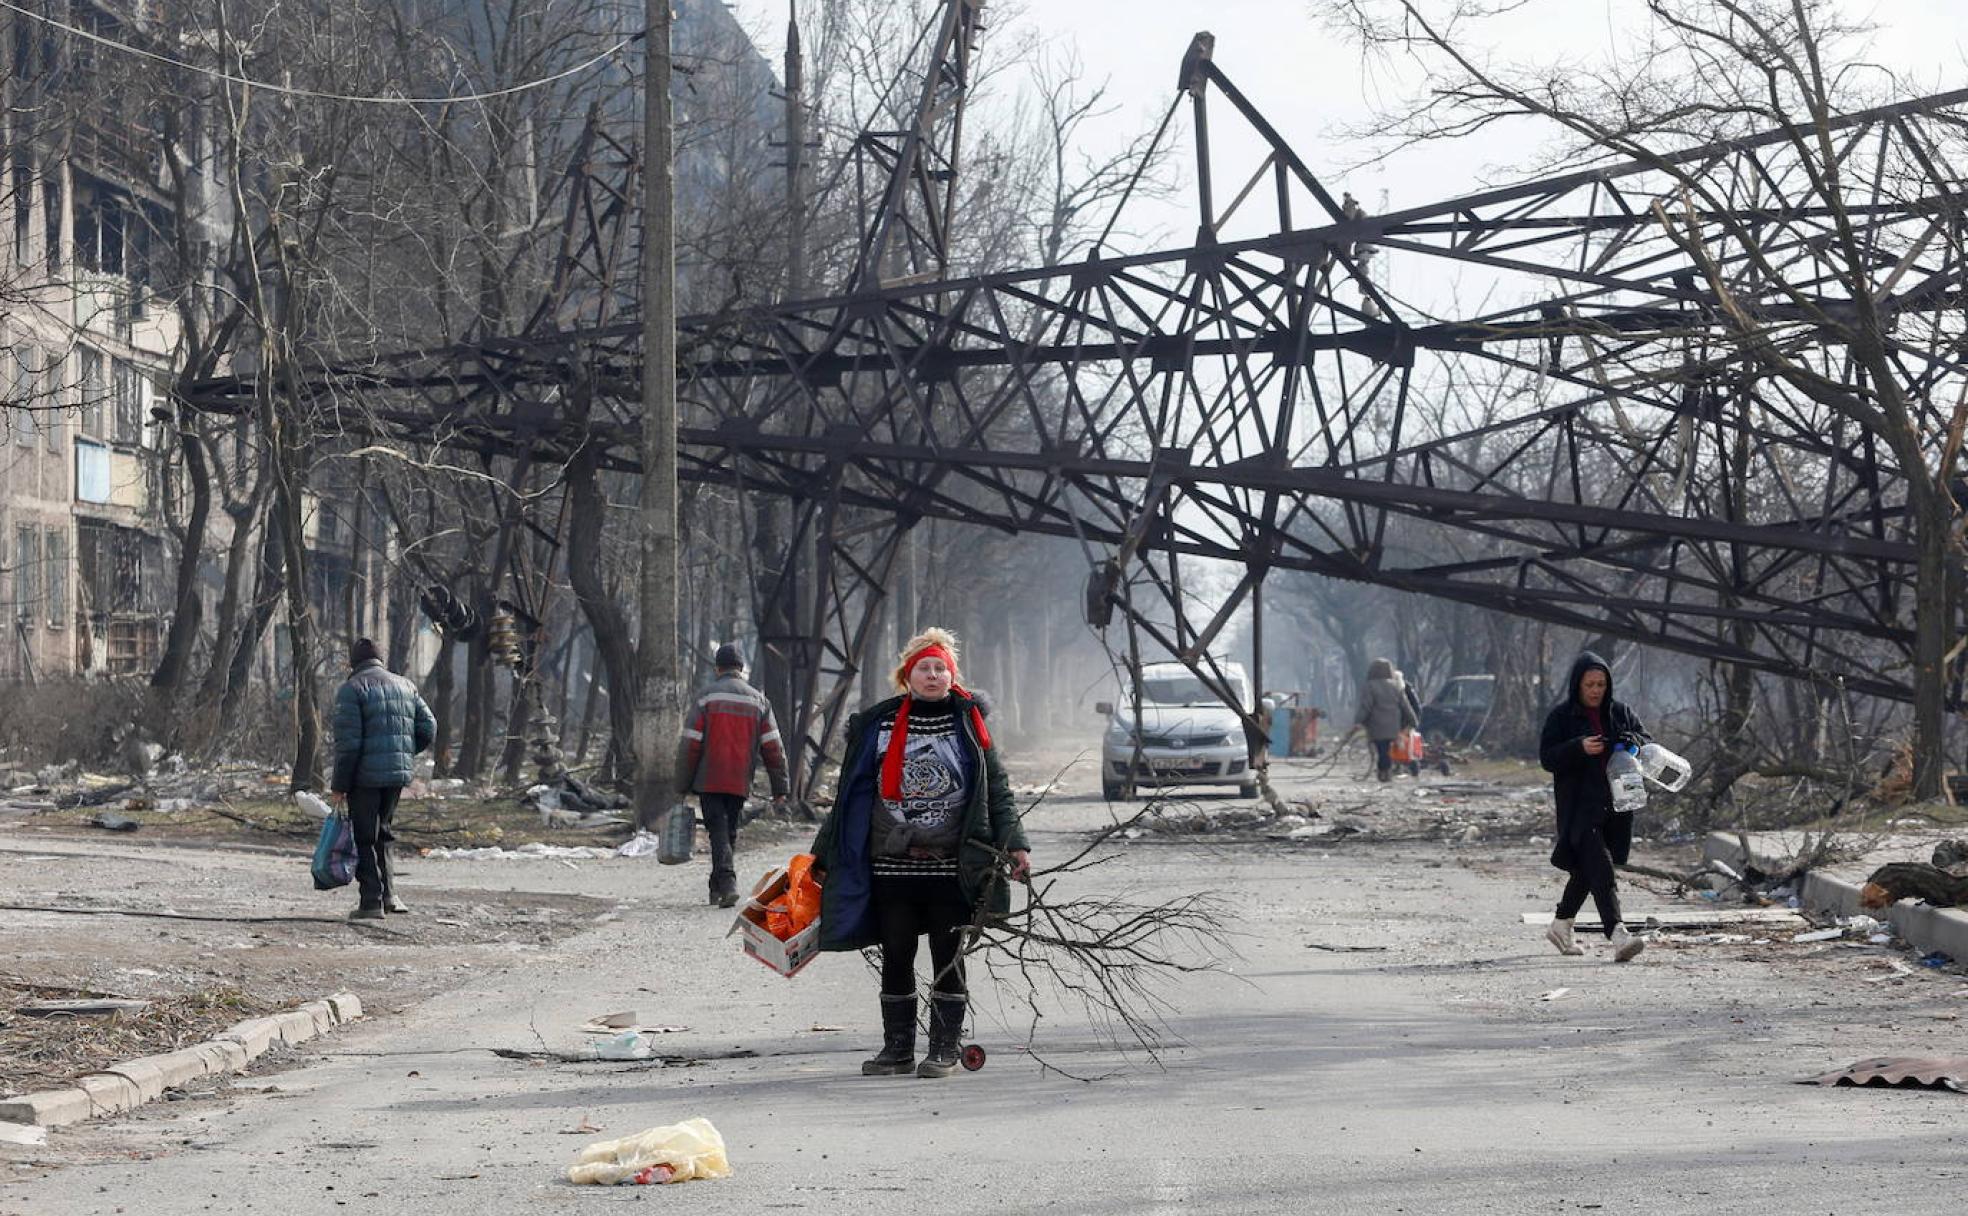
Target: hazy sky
(1310, 83)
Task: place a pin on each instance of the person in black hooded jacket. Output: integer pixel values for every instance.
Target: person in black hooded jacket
(1579, 735)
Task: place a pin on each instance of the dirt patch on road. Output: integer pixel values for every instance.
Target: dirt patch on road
(212, 936)
(38, 1052)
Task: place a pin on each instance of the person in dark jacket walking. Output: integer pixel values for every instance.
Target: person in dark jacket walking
(1592, 838)
(381, 725)
(726, 734)
(1384, 713)
(920, 841)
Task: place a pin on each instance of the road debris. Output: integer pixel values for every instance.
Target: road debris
(531, 851)
(679, 1152)
(1914, 880)
(616, 1023)
(1902, 1072)
(85, 1007)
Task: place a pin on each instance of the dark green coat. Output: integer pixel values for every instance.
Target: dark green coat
(842, 846)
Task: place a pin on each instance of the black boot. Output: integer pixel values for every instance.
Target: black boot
(898, 1054)
(946, 1019)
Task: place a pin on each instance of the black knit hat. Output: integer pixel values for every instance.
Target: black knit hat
(362, 652)
(728, 658)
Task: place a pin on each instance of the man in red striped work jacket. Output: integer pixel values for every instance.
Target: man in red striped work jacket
(725, 735)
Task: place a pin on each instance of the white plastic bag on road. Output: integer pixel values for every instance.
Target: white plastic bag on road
(677, 1153)
(642, 844)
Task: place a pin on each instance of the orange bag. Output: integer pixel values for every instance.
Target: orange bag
(802, 893)
(1407, 748)
(796, 904)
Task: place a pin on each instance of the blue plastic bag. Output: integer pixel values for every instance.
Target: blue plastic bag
(334, 853)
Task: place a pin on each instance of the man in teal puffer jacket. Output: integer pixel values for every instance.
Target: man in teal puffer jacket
(381, 724)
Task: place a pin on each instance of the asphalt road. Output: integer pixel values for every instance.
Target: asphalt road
(1427, 1077)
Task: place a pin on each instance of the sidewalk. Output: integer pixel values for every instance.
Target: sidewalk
(1835, 890)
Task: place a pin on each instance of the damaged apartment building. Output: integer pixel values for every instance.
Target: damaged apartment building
(86, 342)
(85, 345)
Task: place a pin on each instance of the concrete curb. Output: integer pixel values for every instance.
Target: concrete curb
(132, 1083)
(1925, 927)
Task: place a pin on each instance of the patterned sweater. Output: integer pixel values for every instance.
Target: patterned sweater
(919, 832)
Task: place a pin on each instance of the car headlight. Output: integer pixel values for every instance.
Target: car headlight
(1226, 741)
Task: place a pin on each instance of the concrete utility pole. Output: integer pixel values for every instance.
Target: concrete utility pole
(795, 158)
(659, 686)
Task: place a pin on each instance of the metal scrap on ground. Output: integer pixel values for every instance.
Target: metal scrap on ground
(1902, 1072)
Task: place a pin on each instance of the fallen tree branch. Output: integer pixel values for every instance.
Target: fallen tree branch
(1688, 879)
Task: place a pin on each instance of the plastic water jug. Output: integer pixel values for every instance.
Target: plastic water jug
(676, 834)
(1629, 785)
(1664, 768)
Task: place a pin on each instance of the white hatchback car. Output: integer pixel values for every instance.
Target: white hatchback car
(1187, 735)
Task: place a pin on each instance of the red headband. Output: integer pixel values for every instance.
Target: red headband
(891, 769)
(937, 650)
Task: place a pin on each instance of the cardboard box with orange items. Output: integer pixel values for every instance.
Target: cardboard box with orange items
(780, 921)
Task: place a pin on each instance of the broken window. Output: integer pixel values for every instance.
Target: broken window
(127, 392)
(132, 647)
(51, 215)
(56, 562)
(22, 387)
(111, 562)
(95, 394)
(100, 224)
(27, 564)
(52, 396)
(23, 191)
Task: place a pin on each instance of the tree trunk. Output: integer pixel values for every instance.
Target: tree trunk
(1933, 619)
(239, 554)
(479, 691)
(188, 613)
(402, 619)
(301, 629)
(589, 704)
(605, 618)
(270, 585)
(519, 719)
(442, 683)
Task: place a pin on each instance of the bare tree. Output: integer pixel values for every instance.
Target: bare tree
(1811, 298)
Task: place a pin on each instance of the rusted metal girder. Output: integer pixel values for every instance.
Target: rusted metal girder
(1596, 455)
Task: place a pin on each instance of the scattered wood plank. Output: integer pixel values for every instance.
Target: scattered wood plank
(1691, 919)
(85, 1007)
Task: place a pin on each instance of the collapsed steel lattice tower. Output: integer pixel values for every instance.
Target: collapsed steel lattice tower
(1598, 455)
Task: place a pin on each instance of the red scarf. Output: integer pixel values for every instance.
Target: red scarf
(891, 770)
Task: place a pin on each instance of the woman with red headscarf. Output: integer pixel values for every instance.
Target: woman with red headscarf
(920, 840)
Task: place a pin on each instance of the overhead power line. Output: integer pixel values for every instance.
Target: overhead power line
(318, 94)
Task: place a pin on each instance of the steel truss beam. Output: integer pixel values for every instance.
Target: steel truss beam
(1597, 456)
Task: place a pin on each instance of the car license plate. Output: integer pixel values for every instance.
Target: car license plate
(1176, 766)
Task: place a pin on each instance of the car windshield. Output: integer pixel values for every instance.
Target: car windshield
(1178, 690)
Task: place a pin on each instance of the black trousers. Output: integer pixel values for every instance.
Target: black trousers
(721, 815)
(909, 907)
(1592, 871)
(372, 809)
(1383, 757)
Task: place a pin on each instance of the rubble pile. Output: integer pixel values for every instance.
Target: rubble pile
(1464, 812)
